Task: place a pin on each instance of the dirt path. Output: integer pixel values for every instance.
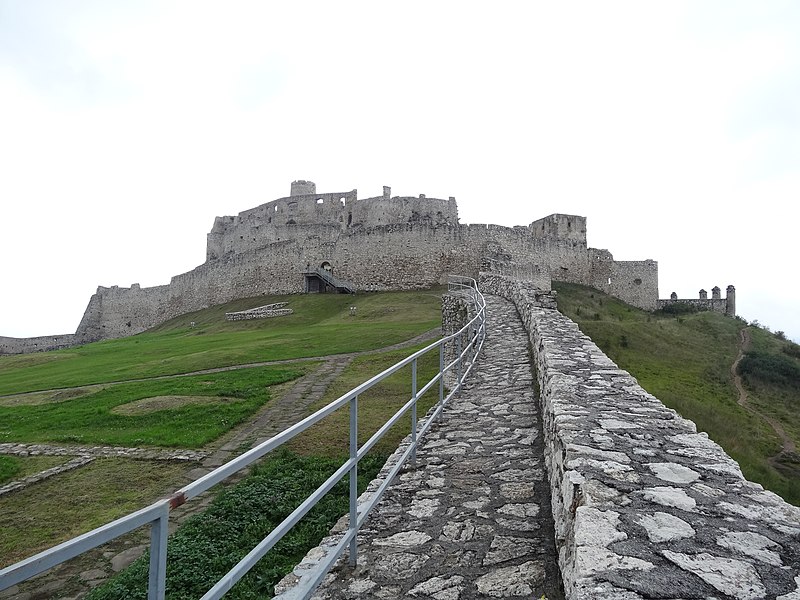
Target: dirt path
(788, 445)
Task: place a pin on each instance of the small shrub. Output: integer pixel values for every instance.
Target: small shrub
(791, 349)
(208, 544)
(765, 367)
(678, 308)
(623, 341)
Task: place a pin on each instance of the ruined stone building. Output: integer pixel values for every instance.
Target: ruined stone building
(379, 243)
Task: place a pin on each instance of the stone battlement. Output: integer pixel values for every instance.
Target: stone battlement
(725, 306)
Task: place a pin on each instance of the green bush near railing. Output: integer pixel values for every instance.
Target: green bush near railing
(207, 545)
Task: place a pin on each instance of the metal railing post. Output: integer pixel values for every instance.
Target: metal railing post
(441, 373)
(458, 364)
(353, 479)
(157, 579)
(414, 413)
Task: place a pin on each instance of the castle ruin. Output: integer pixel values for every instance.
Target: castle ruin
(375, 244)
(718, 304)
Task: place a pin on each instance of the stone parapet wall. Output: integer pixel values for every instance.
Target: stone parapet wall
(458, 309)
(717, 305)
(522, 294)
(10, 345)
(644, 506)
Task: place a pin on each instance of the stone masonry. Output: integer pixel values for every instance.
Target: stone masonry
(472, 520)
(267, 311)
(644, 506)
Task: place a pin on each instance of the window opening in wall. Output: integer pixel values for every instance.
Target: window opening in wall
(276, 208)
(349, 219)
(320, 200)
(637, 281)
(609, 281)
(343, 200)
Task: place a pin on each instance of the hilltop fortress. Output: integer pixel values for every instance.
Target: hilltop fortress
(381, 243)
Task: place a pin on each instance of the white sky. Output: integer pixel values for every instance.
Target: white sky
(126, 127)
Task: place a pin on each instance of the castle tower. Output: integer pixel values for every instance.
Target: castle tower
(730, 308)
(303, 188)
(703, 295)
(715, 293)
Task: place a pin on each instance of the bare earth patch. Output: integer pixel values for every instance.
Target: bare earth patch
(49, 397)
(148, 405)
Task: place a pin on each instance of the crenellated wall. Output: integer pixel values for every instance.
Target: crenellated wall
(718, 304)
(644, 506)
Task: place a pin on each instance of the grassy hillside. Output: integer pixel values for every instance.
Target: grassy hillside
(685, 360)
(321, 325)
(82, 406)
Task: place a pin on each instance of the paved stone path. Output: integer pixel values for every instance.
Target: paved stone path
(473, 520)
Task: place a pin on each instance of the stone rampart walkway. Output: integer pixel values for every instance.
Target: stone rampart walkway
(473, 520)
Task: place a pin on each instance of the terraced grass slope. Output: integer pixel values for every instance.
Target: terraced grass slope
(686, 361)
(68, 397)
(322, 324)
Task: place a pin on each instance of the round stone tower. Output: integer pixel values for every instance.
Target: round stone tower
(303, 188)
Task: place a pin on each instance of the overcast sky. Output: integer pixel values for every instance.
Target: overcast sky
(126, 127)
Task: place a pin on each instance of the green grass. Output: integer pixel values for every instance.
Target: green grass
(17, 467)
(211, 543)
(91, 419)
(685, 361)
(81, 411)
(67, 505)
(10, 467)
(321, 325)
(329, 437)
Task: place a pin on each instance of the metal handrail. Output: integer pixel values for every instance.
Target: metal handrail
(157, 514)
(329, 278)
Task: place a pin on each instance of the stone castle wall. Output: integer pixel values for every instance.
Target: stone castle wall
(725, 306)
(644, 506)
(329, 215)
(381, 243)
(10, 345)
(716, 305)
(388, 257)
